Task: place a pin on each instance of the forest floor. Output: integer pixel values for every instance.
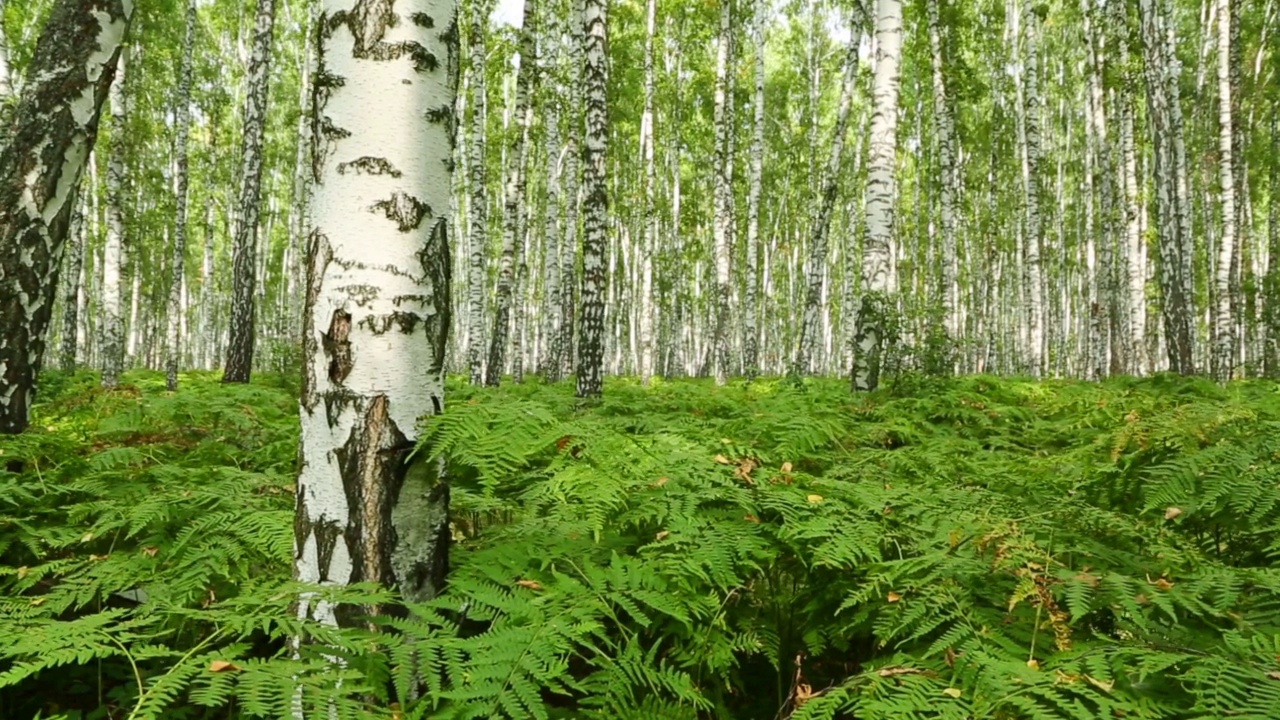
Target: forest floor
(975, 547)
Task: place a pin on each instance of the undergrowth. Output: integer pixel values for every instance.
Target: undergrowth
(967, 548)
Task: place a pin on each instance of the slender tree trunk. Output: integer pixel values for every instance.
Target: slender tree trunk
(723, 198)
(374, 361)
(573, 58)
(6, 80)
(177, 272)
(876, 301)
(751, 320)
(1169, 169)
(513, 205)
(55, 125)
(1224, 342)
(479, 208)
(807, 341)
(549, 362)
(1033, 238)
(650, 240)
(949, 182)
(240, 343)
(1271, 289)
(72, 279)
(595, 202)
(113, 251)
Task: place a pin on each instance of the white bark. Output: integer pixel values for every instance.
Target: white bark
(595, 202)
(723, 198)
(650, 240)
(377, 298)
(878, 283)
(177, 270)
(1224, 344)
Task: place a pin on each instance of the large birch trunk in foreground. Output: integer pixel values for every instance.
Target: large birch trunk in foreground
(377, 298)
(240, 342)
(875, 303)
(55, 124)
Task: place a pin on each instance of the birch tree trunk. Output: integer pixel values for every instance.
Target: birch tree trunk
(751, 350)
(876, 301)
(377, 300)
(949, 182)
(1169, 165)
(72, 279)
(1271, 287)
(549, 359)
(240, 342)
(723, 199)
(572, 56)
(479, 206)
(1224, 342)
(113, 251)
(6, 81)
(595, 201)
(55, 125)
(177, 272)
(1033, 239)
(807, 342)
(513, 203)
(650, 240)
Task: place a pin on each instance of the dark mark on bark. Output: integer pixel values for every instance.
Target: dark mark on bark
(337, 347)
(406, 210)
(369, 166)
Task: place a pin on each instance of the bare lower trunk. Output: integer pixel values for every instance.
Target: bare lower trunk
(377, 303)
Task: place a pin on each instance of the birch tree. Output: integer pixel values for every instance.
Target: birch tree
(723, 199)
(820, 225)
(55, 125)
(948, 181)
(478, 209)
(1169, 167)
(113, 252)
(1224, 341)
(875, 302)
(240, 343)
(649, 213)
(595, 205)
(751, 320)
(1033, 227)
(513, 216)
(173, 349)
(377, 299)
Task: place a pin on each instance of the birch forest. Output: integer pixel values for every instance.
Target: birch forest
(651, 359)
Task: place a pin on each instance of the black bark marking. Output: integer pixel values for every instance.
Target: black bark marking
(438, 271)
(422, 20)
(369, 21)
(369, 166)
(337, 347)
(407, 322)
(372, 466)
(319, 255)
(405, 210)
